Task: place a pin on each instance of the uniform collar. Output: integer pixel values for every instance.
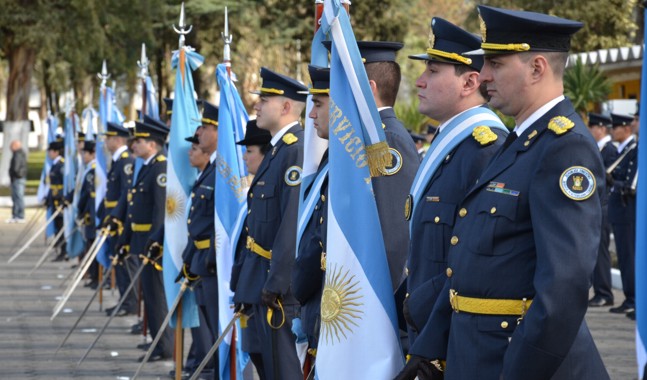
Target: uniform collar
(118, 152)
(520, 129)
(284, 130)
(624, 144)
(603, 141)
(380, 109)
(57, 159)
(149, 159)
(213, 156)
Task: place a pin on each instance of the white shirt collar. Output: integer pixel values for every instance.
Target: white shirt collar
(213, 156)
(380, 109)
(57, 159)
(118, 152)
(149, 159)
(284, 130)
(603, 141)
(441, 126)
(520, 129)
(623, 144)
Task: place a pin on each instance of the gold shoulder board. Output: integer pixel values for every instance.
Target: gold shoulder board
(484, 135)
(560, 125)
(290, 138)
(124, 155)
(160, 158)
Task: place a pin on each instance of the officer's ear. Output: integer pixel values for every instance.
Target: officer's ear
(538, 66)
(471, 83)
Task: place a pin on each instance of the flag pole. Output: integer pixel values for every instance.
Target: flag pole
(143, 73)
(227, 38)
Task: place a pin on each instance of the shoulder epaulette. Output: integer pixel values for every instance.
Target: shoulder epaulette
(560, 124)
(160, 158)
(124, 154)
(484, 135)
(94, 165)
(290, 138)
(62, 160)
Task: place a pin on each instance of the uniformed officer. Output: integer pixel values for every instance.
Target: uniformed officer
(199, 256)
(269, 253)
(86, 207)
(113, 209)
(392, 188)
(309, 269)
(145, 216)
(524, 247)
(55, 197)
(464, 145)
(599, 126)
(419, 140)
(622, 207)
(257, 145)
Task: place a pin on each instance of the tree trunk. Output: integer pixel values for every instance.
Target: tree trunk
(16, 127)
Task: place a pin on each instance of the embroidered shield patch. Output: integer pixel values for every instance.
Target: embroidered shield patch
(293, 176)
(577, 183)
(396, 163)
(161, 180)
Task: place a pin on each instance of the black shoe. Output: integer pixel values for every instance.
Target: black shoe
(622, 309)
(632, 315)
(91, 284)
(136, 329)
(60, 257)
(599, 301)
(123, 313)
(144, 346)
(153, 358)
(110, 310)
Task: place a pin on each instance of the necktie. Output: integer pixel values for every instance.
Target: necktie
(509, 140)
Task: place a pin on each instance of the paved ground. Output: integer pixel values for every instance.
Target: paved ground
(28, 338)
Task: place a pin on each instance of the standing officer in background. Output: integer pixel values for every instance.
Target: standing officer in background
(524, 248)
(145, 216)
(391, 189)
(55, 197)
(200, 253)
(599, 126)
(272, 201)
(622, 207)
(449, 91)
(86, 208)
(309, 270)
(113, 210)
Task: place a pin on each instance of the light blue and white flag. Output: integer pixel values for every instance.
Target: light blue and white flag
(152, 108)
(230, 207)
(313, 145)
(359, 333)
(180, 177)
(72, 234)
(43, 185)
(641, 235)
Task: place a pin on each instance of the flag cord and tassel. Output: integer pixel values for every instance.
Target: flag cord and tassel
(379, 158)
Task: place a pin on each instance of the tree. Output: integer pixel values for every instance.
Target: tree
(585, 85)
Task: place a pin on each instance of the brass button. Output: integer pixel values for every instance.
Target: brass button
(449, 272)
(262, 196)
(192, 195)
(317, 207)
(134, 191)
(188, 234)
(202, 196)
(321, 220)
(188, 221)
(406, 271)
(437, 219)
(130, 215)
(462, 212)
(249, 211)
(192, 208)
(251, 195)
(323, 198)
(526, 143)
(454, 240)
(131, 203)
(504, 325)
(246, 229)
(493, 210)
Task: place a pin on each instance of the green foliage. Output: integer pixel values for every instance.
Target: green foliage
(412, 119)
(585, 85)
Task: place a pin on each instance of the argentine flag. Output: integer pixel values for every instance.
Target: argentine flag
(73, 235)
(231, 204)
(180, 177)
(43, 185)
(359, 332)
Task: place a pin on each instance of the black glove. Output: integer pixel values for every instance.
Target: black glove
(242, 307)
(270, 299)
(153, 250)
(113, 223)
(609, 179)
(123, 251)
(407, 315)
(423, 368)
(210, 262)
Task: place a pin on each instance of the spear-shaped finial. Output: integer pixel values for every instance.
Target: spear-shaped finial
(103, 75)
(182, 31)
(227, 38)
(143, 63)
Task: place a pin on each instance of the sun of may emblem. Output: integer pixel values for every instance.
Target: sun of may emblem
(340, 305)
(175, 204)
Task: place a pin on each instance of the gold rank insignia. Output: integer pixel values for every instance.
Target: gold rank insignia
(160, 158)
(408, 206)
(290, 138)
(483, 28)
(484, 135)
(432, 38)
(124, 155)
(560, 125)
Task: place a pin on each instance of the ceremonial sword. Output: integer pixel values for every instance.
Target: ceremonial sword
(38, 232)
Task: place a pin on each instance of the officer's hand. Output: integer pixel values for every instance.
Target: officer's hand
(185, 272)
(153, 250)
(407, 315)
(270, 299)
(241, 307)
(609, 181)
(112, 223)
(210, 263)
(422, 368)
(123, 251)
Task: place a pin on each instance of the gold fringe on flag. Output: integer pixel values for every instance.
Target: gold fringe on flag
(379, 158)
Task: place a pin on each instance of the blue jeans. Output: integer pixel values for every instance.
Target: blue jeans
(18, 198)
